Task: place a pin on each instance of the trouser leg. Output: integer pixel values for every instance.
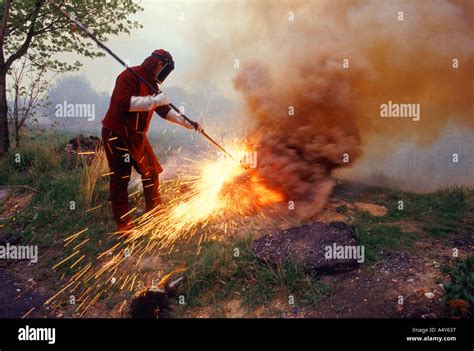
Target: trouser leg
(121, 168)
(151, 192)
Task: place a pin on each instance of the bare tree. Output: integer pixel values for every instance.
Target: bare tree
(27, 95)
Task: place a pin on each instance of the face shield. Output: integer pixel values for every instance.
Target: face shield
(168, 67)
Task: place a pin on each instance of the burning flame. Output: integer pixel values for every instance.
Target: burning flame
(210, 197)
(222, 190)
(206, 199)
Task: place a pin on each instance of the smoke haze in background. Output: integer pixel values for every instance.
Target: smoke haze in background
(299, 63)
(282, 63)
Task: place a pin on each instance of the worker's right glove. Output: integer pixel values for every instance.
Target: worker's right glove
(148, 103)
(175, 117)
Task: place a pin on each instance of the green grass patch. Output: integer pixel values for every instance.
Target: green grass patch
(461, 286)
(442, 212)
(379, 238)
(51, 216)
(439, 213)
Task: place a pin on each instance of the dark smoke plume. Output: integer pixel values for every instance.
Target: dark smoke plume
(299, 64)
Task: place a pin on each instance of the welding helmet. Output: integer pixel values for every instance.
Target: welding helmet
(168, 64)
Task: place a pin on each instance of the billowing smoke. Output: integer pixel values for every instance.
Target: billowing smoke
(303, 131)
(314, 75)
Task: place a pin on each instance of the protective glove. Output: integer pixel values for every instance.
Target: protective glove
(174, 117)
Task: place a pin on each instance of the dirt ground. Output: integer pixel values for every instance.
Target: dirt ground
(369, 292)
(21, 296)
(403, 285)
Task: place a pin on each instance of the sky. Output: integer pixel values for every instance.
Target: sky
(196, 30)
(168, 25)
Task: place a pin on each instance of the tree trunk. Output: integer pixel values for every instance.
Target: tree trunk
(17, 131)
(4, 135)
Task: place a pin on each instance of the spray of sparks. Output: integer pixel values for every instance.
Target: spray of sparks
(207, 197)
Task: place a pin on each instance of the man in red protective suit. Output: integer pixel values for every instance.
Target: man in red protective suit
(124, 133)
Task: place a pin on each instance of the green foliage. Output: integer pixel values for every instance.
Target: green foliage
(53, 33)
(462, 282)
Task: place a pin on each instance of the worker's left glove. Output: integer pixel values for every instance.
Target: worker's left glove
(174, 117)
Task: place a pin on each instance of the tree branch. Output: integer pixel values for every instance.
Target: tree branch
(29, 36)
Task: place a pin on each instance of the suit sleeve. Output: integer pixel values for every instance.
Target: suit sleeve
(162, 111)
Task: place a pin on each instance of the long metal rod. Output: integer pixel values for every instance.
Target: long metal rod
(147, 83)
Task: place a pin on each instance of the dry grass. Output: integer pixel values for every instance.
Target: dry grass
(92, 173)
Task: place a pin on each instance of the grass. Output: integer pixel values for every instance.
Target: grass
(444, 208)
(217, 274)
(461, 286)
(379, 239)
(213, 275)
(439, 214)
(58, 208)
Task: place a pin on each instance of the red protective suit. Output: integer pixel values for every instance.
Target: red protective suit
(124, 137)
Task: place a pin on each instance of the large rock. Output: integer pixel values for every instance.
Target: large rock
(309, 245)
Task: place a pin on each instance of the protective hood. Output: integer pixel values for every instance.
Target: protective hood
(168, 66)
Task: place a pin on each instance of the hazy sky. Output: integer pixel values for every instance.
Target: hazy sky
(195, 30)
(167, 25)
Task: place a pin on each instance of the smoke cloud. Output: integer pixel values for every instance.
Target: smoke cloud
(315, 74)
